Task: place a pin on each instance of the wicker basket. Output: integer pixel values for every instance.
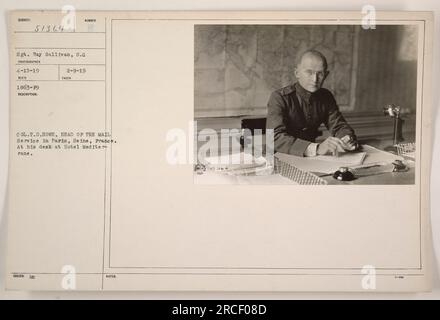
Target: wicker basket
(407, 150)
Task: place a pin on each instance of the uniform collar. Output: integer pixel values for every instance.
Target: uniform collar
(303, 93)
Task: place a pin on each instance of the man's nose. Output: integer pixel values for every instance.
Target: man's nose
(315, 77)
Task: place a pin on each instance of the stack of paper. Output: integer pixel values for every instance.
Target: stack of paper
(347, 158)
(329, 164)
(235, 161)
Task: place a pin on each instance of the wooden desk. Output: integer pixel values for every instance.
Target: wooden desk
(389, 178)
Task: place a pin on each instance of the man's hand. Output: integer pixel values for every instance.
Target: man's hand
(331, 145)
(350, 143)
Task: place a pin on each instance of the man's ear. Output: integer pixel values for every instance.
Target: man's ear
(326, 74)
(295, 72)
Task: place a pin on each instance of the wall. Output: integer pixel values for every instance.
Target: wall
(237, 66)
(387, 68)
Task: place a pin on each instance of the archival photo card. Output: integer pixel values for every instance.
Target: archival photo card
(219, 151)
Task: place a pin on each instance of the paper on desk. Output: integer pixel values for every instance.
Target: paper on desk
(235, 161)
(373, 156)
(347, 158)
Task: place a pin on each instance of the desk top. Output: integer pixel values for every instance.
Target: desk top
(389, 178)
(384, 178)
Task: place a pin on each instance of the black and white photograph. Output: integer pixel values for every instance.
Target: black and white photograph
(306, 104)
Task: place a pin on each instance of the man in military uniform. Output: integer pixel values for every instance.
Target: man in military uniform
(296, 112)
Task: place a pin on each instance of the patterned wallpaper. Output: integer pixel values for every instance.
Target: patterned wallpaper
(238, 66)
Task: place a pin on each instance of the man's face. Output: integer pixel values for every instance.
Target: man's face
(311, 73)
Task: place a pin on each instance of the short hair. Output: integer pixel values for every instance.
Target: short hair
(314, 53)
